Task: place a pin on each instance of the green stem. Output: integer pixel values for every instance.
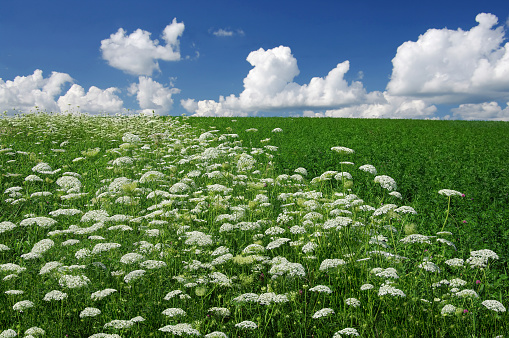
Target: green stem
(446, 216)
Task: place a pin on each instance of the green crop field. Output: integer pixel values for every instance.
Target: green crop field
(252, 227)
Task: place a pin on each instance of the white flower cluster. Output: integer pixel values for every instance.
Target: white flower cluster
(131, 258)
(277, 243)
(386, 182)
(90, 312)
(220, 311)
(331, 263)
(449, 192)
(448, 309)
(173, 312)
(387, 273)
(69, 184)
(98, 295)
(22, 305)
(43, 222)
(180, 329)
(429, 266)
(119, 324)
(416, 238)
(323, 313)
(6, 226)
(480, 258)
(133, 275)
(349, 331)
(282, 266)
(65, 212)
(321, 288)
(152, 264)
(55, 295)
(103, 247)
(388, 289)
(73, 282)
(494, 305)
(271, 297)
(198, 238)
(342, 150)
(353, 302)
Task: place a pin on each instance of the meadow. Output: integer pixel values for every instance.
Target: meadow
(130, 226)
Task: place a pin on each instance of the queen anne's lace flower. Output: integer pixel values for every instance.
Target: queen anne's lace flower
(353, 302)
(173, 312)
(494, 305)
(448, 309)
(98, 295)
(386, 182)
(388, 289)
(90, 312)
(323, 313)
(55, 295)
(449, 192)
(23, 305)
(321, 288)
(180, 329)
(347, 332)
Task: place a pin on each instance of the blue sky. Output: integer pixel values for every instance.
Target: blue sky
(396, 59)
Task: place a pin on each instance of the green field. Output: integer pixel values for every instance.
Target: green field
(214, 227)
(422, 156)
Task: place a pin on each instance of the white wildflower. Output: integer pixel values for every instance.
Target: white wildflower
(331, 263)
(494, 305)
(172, 312)
(247, 324)
(72, 282)
(448, 309)
(90, 312)
(55, 295)
(388, 289)
(179, 329)
(349, 331)
(323, 313)
(353, 302)
(321, 288)
(98, 295)
(449, 192)
(133, 275)
(23, 305)
(386, 182)
(455, 262)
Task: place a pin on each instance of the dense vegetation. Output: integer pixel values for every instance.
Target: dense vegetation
(247, 227)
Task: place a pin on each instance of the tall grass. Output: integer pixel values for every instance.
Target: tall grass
(138, 226)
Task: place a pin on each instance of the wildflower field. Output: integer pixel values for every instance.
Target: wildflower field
(130, 226)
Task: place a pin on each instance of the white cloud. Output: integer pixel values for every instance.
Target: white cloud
(137, 54)
(447, 66)
(227, 32)
(26, 92)
(94, 101)
(483, 111)
(269, 86)
(152, 96)
(393, 107)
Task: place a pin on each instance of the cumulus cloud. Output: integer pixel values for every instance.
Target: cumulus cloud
(482, 111)
(153, 97)
(269, 86)
(137, 54)
(392, 107)
(94, 101)
(447, 66)
(26, 92)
